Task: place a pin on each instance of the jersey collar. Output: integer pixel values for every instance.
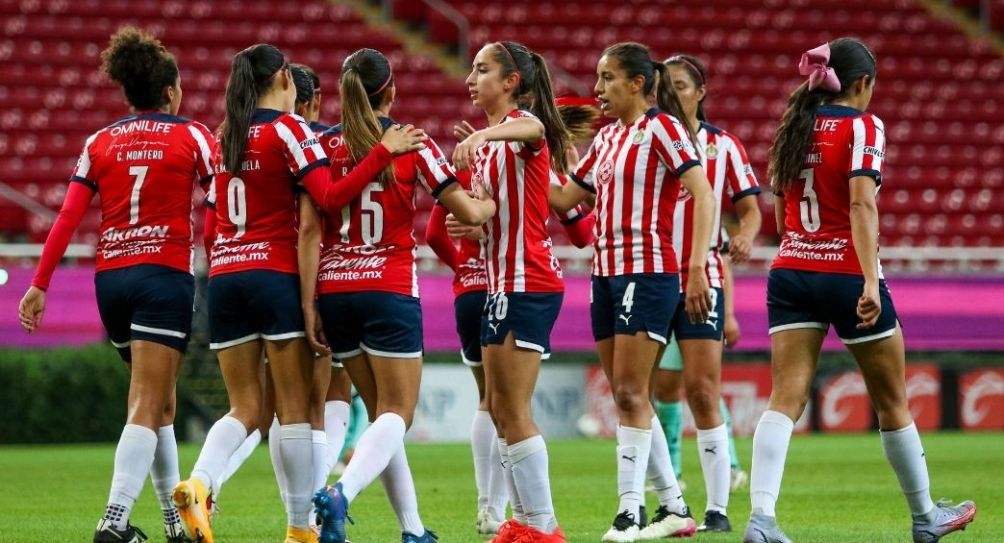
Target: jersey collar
(265, 115)
(831, 110)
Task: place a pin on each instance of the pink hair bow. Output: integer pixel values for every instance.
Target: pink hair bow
(815, 64)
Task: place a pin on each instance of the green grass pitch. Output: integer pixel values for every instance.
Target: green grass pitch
(836, 488)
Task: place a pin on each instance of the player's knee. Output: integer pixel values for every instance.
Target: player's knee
(703, 400)
(629, 398)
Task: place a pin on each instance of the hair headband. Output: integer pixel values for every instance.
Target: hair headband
(815, 63)
(519, 74)
(693, 68)
(390, 77)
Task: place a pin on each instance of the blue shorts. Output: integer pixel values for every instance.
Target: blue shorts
(803, 299)
(467, 309)
(632, 303)
(146, 303)
(379, 323)
(256, 304)
(713, 328)
(529, 316)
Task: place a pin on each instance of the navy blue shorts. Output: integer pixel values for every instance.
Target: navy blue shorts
(713, 328)
(467, 309)
(148, 303)
(803, 299)
(256, 304)
(529, 316)
(383, 324)
(632, 303)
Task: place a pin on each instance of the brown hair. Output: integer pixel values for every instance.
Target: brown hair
(250, 76)
(141, 65)
(366, 77)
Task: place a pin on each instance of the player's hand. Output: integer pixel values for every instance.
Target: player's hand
(400, 139)
(463, 130)
(571, 157)
(698, 300)
(740, 248)
(315, 331)
(31, 309)
(457, 229)
(732, 332)
(463, 155)
(869, 306)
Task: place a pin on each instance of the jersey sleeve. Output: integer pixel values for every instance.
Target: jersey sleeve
(574, 214)
(584, 173)
(300, 146)
(82, 171)
(740, 181)
(867, 148)
(525, 149)
(673, 145)
(434, 171)
(203, 154)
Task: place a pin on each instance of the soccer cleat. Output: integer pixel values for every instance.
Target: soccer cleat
(943, 520)
(715, 522)
(428, 537)
(191, 500)
(624, 529)
(643, 517)
(485, 524)
(106, 533)
(300, 535)
(669, 524)
(174, 533)
(333, 511)
(533, 535)
(509, 531)
(738, 480)
(764, 529)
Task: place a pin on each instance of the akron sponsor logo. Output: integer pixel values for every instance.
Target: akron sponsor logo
(136, 232)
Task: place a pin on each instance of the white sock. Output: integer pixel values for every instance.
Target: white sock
(713, 446)
(164, 473)
(661, 472)
(529, 469)
(498, 488)
(275, 456)
(239, 457)
(510, 482)
(633, 446)
(223, 439)
(336, 426)
(319, 441)
(770, 448)
(133, 458)
(378, 444)
(906, 455)
(400, 489)
(298, 465)
(483, 440)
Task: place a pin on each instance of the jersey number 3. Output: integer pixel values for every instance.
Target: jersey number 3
(809, 206)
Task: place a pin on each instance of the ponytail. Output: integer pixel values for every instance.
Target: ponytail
(791, 142)
(543, 106)
(366, 77)
(665, 96)
(250, 75)
(580, 116)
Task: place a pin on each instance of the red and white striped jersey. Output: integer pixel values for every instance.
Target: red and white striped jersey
(145, 167)
(256, 210)
(370, 245)
(471, 275)
(730, 173)
(846, 143)
(518, 248)
(635, 171)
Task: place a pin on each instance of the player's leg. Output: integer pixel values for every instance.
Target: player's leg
(251, 441)
(337, 412)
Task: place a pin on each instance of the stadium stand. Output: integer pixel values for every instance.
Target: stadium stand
(940, 93)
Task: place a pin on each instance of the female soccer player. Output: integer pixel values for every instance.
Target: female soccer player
(143, 166)
(700, 344)
(470, 286)
(368, 290)
(825, 168)
(264, 152)
(512, 160)
(636, 167)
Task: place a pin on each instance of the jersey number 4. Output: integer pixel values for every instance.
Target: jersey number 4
(809, 206)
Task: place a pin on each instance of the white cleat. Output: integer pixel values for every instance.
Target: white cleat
(738, 480)
(485, 524)
(669, 524)
(624, 529)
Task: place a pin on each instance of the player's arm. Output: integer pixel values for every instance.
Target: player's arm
(524, 129)
(439, 240)
(308, 252)
(564, 198)
(779, 213)
(580, 229)
(864, 233)
(468, 210)
(698, 298)
(32, 306)
(732, 331)
(748, 213)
